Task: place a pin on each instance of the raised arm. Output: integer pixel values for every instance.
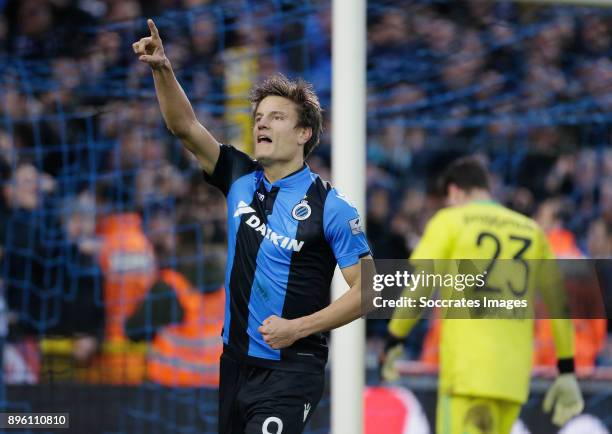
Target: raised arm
(174, 104)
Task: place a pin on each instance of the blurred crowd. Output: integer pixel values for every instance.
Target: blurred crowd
(529, 88)
(85, 157)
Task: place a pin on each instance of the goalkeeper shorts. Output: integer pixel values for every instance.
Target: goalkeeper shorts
(475, 415)
(258, 400)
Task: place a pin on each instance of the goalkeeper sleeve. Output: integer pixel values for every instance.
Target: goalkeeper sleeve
(400, 328)
(564, 395)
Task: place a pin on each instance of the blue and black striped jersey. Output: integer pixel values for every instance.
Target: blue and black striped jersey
(284, 240)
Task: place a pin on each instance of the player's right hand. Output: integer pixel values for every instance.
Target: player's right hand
(394, 351)
(151, 49)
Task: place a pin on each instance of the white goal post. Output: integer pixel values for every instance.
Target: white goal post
(348, 174)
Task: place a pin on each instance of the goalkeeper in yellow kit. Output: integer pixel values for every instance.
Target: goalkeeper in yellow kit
(485, 364)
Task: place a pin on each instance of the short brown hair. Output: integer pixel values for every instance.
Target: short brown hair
(303, 96)
(467, 173)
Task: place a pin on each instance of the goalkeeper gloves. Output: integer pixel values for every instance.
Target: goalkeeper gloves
(394, 350)
(566, 398)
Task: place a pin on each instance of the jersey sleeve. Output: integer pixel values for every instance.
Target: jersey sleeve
(550, 283)
(436, 243)
(231, 165)
(343, 230)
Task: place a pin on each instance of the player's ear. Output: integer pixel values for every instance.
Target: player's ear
(452, 193)
(448, 190)
(304, 135)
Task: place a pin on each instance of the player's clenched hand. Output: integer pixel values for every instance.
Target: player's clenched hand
(150, 49)
(565, 395)
(279, 332)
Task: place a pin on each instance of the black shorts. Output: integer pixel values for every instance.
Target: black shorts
(256, 400)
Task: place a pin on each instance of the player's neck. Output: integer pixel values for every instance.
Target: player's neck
(274, 172)
(478, 196)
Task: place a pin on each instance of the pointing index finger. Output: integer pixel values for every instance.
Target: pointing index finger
(153, 28)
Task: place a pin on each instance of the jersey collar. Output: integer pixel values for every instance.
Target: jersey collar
(293, 179)
(485, 202)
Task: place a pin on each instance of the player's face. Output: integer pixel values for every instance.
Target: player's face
(276, 137)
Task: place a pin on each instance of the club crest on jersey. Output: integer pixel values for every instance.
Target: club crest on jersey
(301, 211)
